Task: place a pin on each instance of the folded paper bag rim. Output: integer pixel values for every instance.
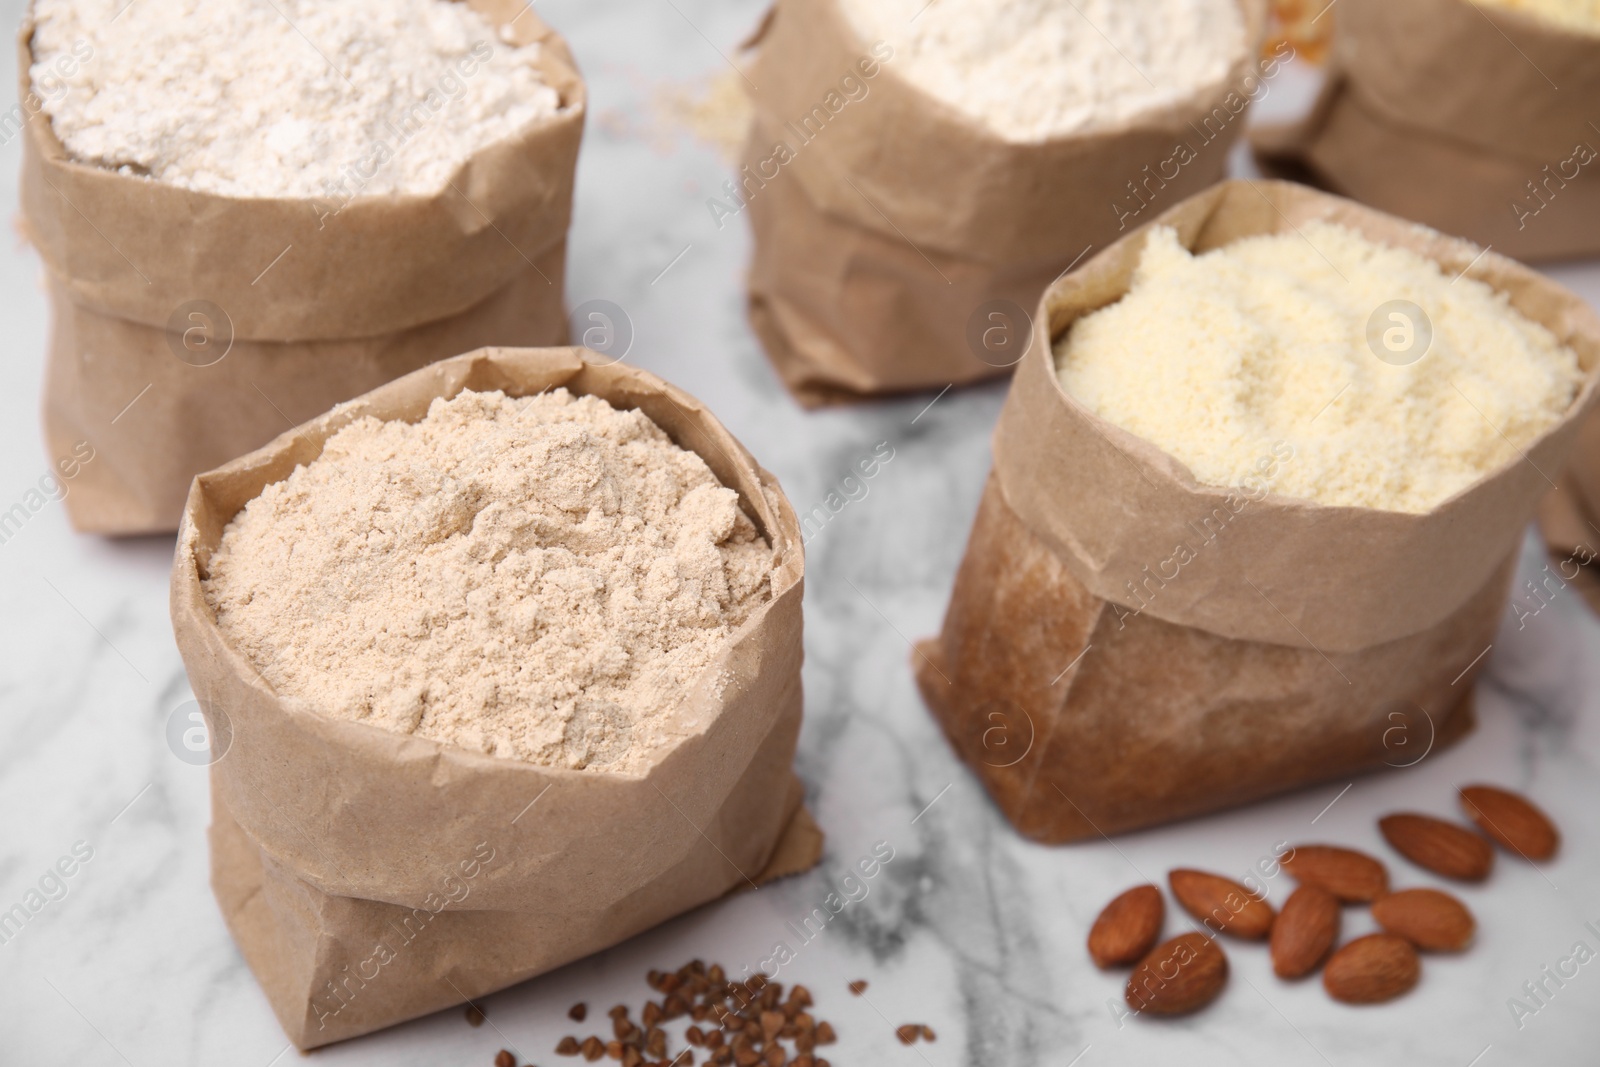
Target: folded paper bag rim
(135, 248)
(1413, 63)
(998, 207)
(878, 268)
(336, 801)
(1107, 501)
(1405, 122)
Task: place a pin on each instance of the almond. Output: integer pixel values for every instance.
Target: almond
(1371, 969)
(1442, 847)
(1127, 928)
(1351, 876)
(1223, 905)
(1306, 929)
(1429, 919)
(1511, 820)
(1178, 976)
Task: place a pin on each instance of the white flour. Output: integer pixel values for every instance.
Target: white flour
(1034, 69)
(292, 98)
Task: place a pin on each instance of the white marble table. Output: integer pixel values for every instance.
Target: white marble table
(970, 929)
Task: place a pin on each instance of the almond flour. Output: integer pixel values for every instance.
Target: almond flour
(287, 98)
(1036, 69)
(1217, 357)
(539, 578)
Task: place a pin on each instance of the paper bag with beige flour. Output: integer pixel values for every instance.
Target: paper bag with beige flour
(371, 876)
(1093, 692)
(189, 328)
(900, 243)
(1410, 122)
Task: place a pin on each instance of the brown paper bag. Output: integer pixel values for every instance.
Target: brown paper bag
(371, 877)
(898, 243)
(1569, 518)
(190, 328)
(1477, 121)
(1094, 692)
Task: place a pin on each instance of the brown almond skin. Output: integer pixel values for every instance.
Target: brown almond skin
(1372, 969)
(1431, 920)
(1442, 847)
(1224, 905)
(1306, 930)
(1351, 876)
(1178, 976)
(1127, 928)
(1512, 821)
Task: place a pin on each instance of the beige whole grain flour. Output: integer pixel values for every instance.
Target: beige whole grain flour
(1222, 358)
(1037, 69)
(287, 98)
(539, 578)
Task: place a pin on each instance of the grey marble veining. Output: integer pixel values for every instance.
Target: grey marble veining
(969, 928)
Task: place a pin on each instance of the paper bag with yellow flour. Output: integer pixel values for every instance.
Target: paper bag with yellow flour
(1099, 680)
